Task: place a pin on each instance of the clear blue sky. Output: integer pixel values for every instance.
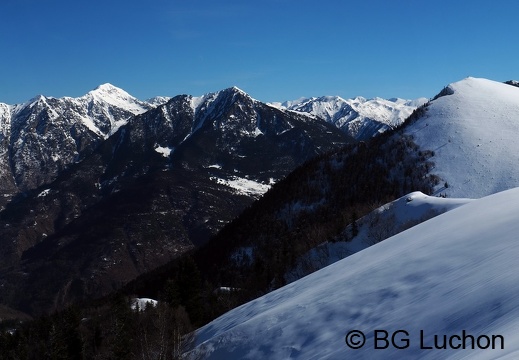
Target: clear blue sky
(275, 50)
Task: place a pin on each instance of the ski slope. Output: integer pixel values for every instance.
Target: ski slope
(455, 273)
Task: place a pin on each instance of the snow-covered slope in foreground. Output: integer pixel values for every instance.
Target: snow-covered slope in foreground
(452, 275)
(473, 133)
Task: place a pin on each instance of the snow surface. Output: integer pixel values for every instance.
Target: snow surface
(455, 272)
(164, 151)
(243, 186)
(473, 133)
(142, 303)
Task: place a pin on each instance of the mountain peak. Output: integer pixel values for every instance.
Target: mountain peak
(111, 95)
(109, 89)
(512, 82)
(37, 98)
(234, 90)
(237, 89)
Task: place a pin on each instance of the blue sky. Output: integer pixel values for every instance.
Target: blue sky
(275, 50)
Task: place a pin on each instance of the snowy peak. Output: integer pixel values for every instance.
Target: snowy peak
(229, 95)
(472, 128)
(109, 89)
(115, 96)
(110, 95)
(236, 90)
(359, 117)
(230, 110)
(158, 100)
(45, 135)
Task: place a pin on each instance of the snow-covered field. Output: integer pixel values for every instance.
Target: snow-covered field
(454, 275)
(244, 186)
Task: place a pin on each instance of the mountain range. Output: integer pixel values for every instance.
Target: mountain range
(360, 118)
(441, 277)
(106, 187)
(315, 206)
(44, 136)
(206, 203)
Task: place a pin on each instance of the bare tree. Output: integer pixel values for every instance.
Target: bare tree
(166, 333)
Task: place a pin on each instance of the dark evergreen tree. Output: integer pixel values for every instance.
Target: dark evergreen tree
(354, 226)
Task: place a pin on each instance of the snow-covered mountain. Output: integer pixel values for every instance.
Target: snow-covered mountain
(233, 135)
(44, 136)
(160, 185)
(360, 118)
(452, 278)
(472, 129)
(452, 273)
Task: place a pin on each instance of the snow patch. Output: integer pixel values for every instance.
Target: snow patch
(243, 186)
(44, 193)
(142, 303)
(165, 151)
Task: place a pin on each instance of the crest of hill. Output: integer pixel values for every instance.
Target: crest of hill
(472, 130)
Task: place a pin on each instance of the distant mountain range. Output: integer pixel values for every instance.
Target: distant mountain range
(104, 187)
(360, 118)
(100, 189)
(42, 137)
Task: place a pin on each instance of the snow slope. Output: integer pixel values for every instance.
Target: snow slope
(473, 133)
(456, 272)
(101, 103)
